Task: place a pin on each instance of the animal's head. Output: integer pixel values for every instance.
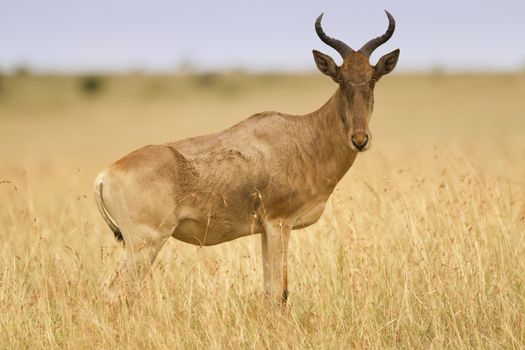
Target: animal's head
(356, 78)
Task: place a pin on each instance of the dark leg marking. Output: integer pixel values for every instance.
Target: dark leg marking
(285, 295)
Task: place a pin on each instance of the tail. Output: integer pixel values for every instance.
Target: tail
(104, 212)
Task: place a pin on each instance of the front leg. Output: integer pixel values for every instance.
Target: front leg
(275, 253)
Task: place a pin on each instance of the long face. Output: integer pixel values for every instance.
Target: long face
(356, 78)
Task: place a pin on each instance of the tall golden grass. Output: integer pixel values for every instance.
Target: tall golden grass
(421, 245)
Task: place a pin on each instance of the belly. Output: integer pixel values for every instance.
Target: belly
(208, 231)
(310, 216)
(214, 231)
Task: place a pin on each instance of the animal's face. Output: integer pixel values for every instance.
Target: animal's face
(356, 78)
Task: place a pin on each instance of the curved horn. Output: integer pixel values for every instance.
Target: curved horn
(338, 45)
(373, 44)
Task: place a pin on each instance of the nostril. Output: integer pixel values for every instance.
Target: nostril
(360, 142)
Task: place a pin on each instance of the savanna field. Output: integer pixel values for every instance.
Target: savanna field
(421, 245)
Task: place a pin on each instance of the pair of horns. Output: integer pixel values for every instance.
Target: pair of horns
(367, 48)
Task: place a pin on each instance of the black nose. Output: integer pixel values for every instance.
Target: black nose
(360, 141)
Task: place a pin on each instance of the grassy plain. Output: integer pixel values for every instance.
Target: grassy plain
(421, 245)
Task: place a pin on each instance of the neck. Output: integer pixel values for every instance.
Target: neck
(331, 139)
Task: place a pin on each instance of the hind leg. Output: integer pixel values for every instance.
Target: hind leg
(142, 247)
(139, 197)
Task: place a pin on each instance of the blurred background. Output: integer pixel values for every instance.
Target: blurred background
(90, 81)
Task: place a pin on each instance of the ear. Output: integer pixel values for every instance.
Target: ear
(387, 63)
(326, 64)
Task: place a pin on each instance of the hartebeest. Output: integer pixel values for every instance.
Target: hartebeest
(269, 174)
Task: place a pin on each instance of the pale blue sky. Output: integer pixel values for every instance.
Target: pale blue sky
(68, 35)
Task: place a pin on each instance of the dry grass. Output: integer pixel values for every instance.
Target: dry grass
(421, 246)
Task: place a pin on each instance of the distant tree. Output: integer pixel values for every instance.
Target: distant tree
(92, 84)
(186, 65)
(207, 79)
(22, 71)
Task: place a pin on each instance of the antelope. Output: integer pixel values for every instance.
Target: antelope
(268, 175)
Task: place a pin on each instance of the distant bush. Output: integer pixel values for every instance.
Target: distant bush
(91, 85)
(207, 80)
(223, 84)
(22, 71)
